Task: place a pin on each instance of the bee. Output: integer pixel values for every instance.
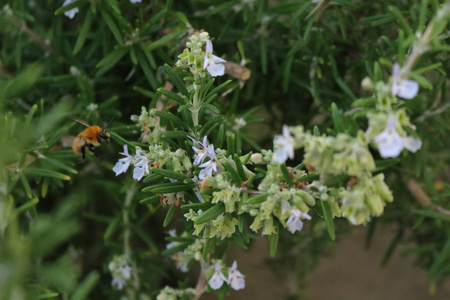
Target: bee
(91, 137)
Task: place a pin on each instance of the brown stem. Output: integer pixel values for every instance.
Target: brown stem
(422, 197)
(22, 26)
(201, 283)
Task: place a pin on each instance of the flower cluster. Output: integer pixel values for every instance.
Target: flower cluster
(192, 252)
(203, 152)
(197, 61)
(120, 270)
(366, 199)
(221, 227)
(386, 130)
(157, 156)
(149, 124)
(169, 293)
(216, 278)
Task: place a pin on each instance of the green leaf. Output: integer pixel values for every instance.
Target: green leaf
(337, 119)
(176, 80)
(171, 188)
(83, 33)
(69, 6)
(328, 218)
(163, 41)
(440, 260)
(152, 177)
(47, 296)
(400, 19)
(175, 135)
(239, 167)
(169, 216)
(196, 206)
(150, 200)
(174, 250)
(231, 147)
(83, 290)
(45, 173)
(257, 199)
(172, 95)
(286, 175)
(171, 174)
(112, 25)
(431, 214)
(211, 214)
(234, 174)
(111, 228)
(273, 244)
(208, 248)
(111, 60)
(27, 205)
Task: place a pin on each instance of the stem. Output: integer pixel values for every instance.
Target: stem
(22, 26)
(201, 283)
(421, 45)
(131, 290)
(195, 105)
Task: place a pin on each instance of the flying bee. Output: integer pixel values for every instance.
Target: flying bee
(91, 137)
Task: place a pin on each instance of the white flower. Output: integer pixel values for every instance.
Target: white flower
(70, 13)
(118, 282)
(200, 152)
(217, 279)
(208, 168)
(135, 1)
(294, 221)
(236, 278)
(212, 63)
(122, 165)
(389, 142)
(412, 144)
(404, 88)
(140, 167)
(284, 146)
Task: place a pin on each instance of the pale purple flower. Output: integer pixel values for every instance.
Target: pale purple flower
(404, 88)
(135, 1)
(236, 278)
(284, 146)
(70, 13)
(118, 282)
(122, 165)
(294, 221)
(200, 149)
(217, 279)
(389, 142)
(140, 166)
(212, 63)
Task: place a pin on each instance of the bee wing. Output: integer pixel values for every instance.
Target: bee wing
(80, 121)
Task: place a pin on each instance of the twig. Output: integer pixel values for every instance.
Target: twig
(201, 283)
(131, 291)
(422, 198)
(22, 26)
(429, 113)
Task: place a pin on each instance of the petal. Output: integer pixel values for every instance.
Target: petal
(412, 144)
(138, 173)
(408, 89)
(209, 47)
(280, 156)
(218, 60)
(395, 70)
(216, 69)
(238, 283)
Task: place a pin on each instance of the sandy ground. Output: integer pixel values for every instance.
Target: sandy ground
(352, 273)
